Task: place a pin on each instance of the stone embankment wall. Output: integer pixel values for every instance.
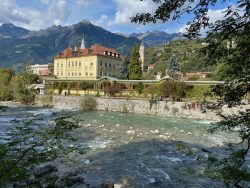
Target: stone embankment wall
(161, 108)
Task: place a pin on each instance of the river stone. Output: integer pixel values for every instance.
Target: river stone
(156, 132)
(108, 185)
(132, 132)
(38, 171)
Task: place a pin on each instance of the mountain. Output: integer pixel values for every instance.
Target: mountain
(156, 38)
(19, 46)
(8, 30)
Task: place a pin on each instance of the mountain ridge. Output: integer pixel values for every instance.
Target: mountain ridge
(39, 47)
(19, 46)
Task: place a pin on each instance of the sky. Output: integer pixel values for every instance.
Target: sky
(112, 15)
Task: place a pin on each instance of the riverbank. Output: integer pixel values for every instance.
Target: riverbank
(189, 110)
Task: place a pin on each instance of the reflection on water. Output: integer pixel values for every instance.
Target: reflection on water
(134, 150)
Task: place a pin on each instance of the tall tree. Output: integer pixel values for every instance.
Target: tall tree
(173, 67)
(229, 43)
(5, 89)
(135, 69)
(124, 69)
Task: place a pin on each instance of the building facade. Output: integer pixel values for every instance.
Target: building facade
(87, 63)
(41, 70)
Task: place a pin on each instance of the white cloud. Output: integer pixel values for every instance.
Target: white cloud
(125, 9)
(10, 12)
(56, 12)
(104, 19)
(214, 15)
(128, 8)
(85, 2)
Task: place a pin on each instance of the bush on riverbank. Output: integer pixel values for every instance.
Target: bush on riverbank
(88, 103)
(16, 87)
(45, 100)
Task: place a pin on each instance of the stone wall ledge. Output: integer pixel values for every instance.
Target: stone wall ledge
(159, 108)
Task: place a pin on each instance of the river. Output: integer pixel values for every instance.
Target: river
(131, 150)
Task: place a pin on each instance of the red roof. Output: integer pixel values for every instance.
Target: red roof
(94, 50)
(45, 72)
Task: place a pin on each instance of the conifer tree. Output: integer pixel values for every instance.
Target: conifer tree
(135, 69)
(124, 69)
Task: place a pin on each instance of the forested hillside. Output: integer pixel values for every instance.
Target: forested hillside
(187, 52)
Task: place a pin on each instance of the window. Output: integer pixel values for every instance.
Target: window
(110, 65)
(61, 73)
(101, 63)
(91, 64)
(80, 64)
(80, 74)
(100, 74)
(72, 74)
(61, 65)
(69, 64)
(68, 73)
(72, 64)
(105, 74)
(91, 74)
(86, 74)
(105, 64)
(76, 63)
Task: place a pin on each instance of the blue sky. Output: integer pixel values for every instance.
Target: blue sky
(112, 15)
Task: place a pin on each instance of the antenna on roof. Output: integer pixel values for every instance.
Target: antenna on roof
(83, 43)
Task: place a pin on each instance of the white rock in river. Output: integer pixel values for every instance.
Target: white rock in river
(88, 125)
(189, 133)
(131, 132)
(182, 131)
(130, 127)
(157, 131)
(118, 186)
(117, 125)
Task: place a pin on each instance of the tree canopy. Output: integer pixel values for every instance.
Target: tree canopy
(135, 69)
(229, 46)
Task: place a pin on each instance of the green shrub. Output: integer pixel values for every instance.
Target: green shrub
(200, 93)
(88, 103)
(60, 88)
(139, 88)
(46, 100)
(174, 90)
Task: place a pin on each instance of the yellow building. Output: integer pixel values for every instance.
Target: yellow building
(87, 63)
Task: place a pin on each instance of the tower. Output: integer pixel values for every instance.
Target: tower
(83, 43)
(142, 55)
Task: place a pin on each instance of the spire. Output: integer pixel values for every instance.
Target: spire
(142, 43)
(83, 43)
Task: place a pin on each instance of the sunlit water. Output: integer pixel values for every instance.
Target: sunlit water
(134, 150)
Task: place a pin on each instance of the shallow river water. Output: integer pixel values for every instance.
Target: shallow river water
(131, 150)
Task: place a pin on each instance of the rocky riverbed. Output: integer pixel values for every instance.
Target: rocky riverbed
(128, 150)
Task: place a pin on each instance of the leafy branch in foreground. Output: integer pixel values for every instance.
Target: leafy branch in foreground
(229, 46)
(30, 146)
